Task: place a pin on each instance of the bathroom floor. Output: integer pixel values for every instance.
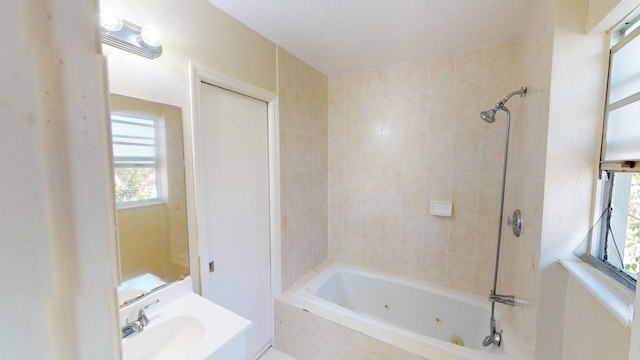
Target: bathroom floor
(275, 354)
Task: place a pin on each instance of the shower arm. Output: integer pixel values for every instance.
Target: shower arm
(500, 104)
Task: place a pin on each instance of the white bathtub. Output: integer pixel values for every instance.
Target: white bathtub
(432, 316)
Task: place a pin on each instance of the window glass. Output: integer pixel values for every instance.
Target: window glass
(135, 158)
(135, 184)
(625, 72)
(623, 235)
(623, 133)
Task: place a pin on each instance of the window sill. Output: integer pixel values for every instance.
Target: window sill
(613, 296)
(139, 204)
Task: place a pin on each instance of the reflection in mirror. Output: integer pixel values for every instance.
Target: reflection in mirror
(149, 180)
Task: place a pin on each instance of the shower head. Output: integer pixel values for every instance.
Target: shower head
(490, 115)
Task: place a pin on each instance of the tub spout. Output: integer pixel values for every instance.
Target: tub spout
(495, 337)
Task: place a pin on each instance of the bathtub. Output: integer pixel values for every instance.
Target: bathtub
(427, 321)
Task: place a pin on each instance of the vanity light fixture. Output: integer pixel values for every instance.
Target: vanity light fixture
(119, 33)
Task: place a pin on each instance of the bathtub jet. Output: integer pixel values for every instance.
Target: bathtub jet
(489, 116)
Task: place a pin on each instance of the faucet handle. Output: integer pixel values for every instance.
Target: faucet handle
(142, 316)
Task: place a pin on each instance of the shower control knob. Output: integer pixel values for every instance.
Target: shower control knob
(515, 222)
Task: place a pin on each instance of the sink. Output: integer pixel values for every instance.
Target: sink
(171, 339)
(184, 325)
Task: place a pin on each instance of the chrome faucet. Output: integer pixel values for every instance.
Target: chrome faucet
(495, 336)
(503, 299)
(138, 325)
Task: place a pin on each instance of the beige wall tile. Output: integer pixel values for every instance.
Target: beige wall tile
(336, 90)
(500, 63)
(304, 114)
(470, 68)
(403, 135)
(466, 151)
(440, 108)
(393, 78)
(492, 150)
(415, 112)
(460, 272)
(441, 73)
(468, 105)
(353, 88)
(486, 237)
(373, 83)
(483, 272)
(439, 150)
(438, 186)
(464, 194)
(462, 235)
(417, 77)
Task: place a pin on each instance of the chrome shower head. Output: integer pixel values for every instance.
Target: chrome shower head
(490, 115)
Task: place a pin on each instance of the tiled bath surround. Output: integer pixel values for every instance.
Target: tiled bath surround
(303, 166)
(306, 335)
(520, 257)
(389, 156)
(404, 135)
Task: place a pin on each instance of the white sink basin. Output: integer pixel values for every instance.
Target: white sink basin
(184, 326)
(172, 339)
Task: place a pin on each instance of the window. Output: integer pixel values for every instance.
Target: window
(616, 247)
(135, 158)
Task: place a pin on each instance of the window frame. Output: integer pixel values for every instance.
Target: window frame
(599, 239)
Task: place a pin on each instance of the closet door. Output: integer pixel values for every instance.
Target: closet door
(233, 188)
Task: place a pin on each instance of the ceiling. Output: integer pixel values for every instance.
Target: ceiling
(343, 36)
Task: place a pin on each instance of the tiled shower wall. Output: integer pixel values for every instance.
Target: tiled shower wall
(404, 135)
(303, 166)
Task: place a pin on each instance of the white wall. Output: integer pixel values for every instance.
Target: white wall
(57, 265)
(634, 343)
(193, 30)
(591, 333)
(576, 101)
(576, 98)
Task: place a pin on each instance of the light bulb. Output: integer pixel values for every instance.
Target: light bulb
(150, 36)
(110, 21)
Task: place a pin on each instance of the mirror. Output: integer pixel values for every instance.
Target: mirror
(149, 181)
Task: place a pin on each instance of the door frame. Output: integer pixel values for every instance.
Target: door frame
(198, 74)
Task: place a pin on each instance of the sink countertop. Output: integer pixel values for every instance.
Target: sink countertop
(220, 325)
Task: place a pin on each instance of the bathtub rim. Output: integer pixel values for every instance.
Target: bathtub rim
(421, 345)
